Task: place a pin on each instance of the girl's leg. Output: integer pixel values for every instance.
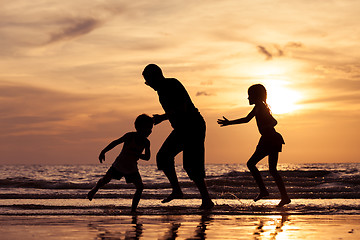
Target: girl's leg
(273, 160)
(102, 182)
(136, 199)
(251, 164)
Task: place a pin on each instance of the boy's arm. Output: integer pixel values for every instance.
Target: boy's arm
(109, 147)
(146, 155)
(225, 122)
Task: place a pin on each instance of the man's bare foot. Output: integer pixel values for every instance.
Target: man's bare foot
(207, 206)
(91, 194)
(261, 196)
(284, 202)
(172, 196)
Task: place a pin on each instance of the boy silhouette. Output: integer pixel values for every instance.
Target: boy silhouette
(125, 165)
(188, 134)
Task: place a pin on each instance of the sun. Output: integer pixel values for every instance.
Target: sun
(281, 98)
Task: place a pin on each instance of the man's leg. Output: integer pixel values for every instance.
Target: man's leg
(205, 197)
(176, 190)
(194, 160)
(165, 159)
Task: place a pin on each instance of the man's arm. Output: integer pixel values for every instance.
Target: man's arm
(158, 118)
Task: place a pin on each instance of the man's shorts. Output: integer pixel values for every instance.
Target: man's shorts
(130, 178)
(191, 142)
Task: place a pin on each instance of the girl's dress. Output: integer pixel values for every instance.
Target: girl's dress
(271, 140)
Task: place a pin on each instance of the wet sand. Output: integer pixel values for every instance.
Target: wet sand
(197, 226)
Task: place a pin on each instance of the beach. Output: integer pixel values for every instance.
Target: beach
(180, 219)
(204, 226)
(49, 202)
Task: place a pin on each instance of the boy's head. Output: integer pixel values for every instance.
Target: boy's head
(144, 124)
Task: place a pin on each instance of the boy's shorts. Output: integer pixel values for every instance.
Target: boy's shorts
(130, 178)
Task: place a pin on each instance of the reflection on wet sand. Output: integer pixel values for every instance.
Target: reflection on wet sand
(259, 231)
(222, 227)
(134, 230)
(173, 231)
(267, 228)
(199, 232)
(180, 227)
(201, 228)
(112, 230)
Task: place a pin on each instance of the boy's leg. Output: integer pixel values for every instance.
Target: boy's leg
(251, 164)
(273, 160)
(102, 182)
(165, 161)
(139, 189)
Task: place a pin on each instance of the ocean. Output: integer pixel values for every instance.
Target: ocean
(317, 189)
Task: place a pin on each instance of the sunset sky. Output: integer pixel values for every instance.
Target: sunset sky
(71, 78)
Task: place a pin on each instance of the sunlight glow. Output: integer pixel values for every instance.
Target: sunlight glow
(282, 99)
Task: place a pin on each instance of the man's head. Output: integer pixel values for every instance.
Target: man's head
(153, 75)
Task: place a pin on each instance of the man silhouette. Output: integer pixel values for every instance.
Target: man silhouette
(188, 134)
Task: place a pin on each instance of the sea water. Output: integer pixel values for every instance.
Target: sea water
(62, 189)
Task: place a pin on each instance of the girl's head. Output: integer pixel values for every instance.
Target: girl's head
(257, 93)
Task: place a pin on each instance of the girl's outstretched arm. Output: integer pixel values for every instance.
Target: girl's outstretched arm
(225, 122)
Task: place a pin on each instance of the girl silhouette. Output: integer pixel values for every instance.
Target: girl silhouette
(270, 143)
